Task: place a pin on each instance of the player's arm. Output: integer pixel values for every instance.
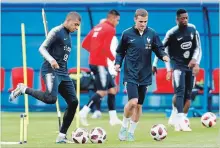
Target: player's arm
(154, 66)
(196, 58)
(158, 49)
(111, 64)
(165, 57)
(50, 39)
(107, 44)
(165, 43)
(87, 41)
(197, 54)
(114, 45)
(121, 51)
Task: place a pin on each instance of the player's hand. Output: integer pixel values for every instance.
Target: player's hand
(117, 67)
(166, 58)
(169, 75)
(196, 69)
(154, 70)
(54, 64)
(192, 63)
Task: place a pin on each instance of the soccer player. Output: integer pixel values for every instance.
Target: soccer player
(136, 46)
(182, 43)
(97, 43)
(114, 73)
(55, 50)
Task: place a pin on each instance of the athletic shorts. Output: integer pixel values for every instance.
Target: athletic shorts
(62, 84)
(136, 91)
(103, 79)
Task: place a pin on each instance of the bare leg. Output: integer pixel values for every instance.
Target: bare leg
(137, 113)
(186, 106)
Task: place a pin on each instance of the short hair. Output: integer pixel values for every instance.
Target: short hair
(141, 12)
(180, 11)
(73, 15)
(113, 12)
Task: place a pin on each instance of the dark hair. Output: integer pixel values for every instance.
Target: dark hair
(113, 12)
(141, 12)
(180, 11)
(73, 15)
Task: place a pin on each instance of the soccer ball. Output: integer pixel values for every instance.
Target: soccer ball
(158, 132)
(97, 135)
(80, 136)
(208, 119)
(186, 120)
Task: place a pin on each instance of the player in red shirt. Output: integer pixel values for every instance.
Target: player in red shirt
(97, 43)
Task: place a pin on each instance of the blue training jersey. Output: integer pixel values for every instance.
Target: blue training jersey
(137, 50)
(57, 46)
(182, 45)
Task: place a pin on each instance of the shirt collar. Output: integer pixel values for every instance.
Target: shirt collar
(65, 29)
(137, 32)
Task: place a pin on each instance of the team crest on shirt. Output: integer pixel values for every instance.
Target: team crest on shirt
(148, 45)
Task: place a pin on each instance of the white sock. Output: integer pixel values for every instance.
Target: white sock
(84, 111)
(174, 108)
(173, 112)
(132, 126)
(125, 122)
(23, 90)
(112, 114)
(180, 115)
(62, 135)
(185, 114)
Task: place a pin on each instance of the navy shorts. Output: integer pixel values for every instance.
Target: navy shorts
(184, 82)
(60, 84)
(103, 79)
(136, 91)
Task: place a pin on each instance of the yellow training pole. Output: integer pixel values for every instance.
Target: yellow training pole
(46, 31)
(24, 68)
(78, 76)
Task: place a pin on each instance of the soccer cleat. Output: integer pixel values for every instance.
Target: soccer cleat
(181, 125)
(83, 115)
(20, 89)
(83, 118)
(96, 115)
(115, 121)
(130, 137)
(122, 136)
(171, 121)
(61, 140)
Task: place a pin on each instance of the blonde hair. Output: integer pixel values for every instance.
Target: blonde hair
(141, 12)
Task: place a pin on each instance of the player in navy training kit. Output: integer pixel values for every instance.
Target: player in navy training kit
(136, 46)
(56, 49)
(182, 43)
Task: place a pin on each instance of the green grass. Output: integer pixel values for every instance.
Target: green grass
(43, 126)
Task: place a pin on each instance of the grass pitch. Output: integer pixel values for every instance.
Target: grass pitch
(42, 132)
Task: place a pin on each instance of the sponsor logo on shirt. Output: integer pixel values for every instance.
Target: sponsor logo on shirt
(186, 45)
(132, 40)
(180, 38)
